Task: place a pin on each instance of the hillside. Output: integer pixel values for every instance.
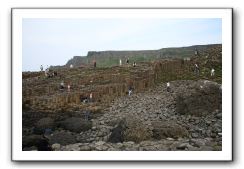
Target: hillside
(111, 58)
(186, 117)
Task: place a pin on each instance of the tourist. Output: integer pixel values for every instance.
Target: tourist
(130, 90)
(47, 72)
(134, 64)
(212, 72)
(197, 70)
(61, 86)
(71, 66)
(68, 87)
(120, 62)
(127, 61)
(90, 97)
(196, 52)
(55, 73)
(94, 63)
(168, 87)
(87, 115)
(41, 68)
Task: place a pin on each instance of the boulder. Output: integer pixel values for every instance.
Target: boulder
(199, 99)
(62, 138)
(168, 129)
(31, 140)
(38, 141)
(136, 130)
(75, 124)
(117, 135)
(42, 124)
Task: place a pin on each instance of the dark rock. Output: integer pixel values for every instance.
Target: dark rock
(164, 129)
(62, 137)
(194, 135)
(32, 148)
(43, 124)
(199, 102)
(39, 141)
(31, 140)
(76, 124)
(117, 135)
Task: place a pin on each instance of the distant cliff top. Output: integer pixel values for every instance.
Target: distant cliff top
(111, 58)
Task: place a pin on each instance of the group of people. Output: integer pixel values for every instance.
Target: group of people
(127, 61)
(62, 86)
(48, 72)
(197, 70)
(86, 99)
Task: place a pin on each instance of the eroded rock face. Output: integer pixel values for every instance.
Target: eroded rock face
(199, 99)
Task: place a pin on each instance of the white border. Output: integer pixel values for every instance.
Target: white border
(19, 155)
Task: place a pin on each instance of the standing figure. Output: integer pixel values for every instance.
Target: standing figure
(168, 87)
(130, 90)
(61, 86)
(41, 68)
(94, 63)
(212, 72)
(68, 87)
(127, 60)
(196, 52)
(134, 64)
(90, 97)
(120, 62)
(197, 70)
(71, 66)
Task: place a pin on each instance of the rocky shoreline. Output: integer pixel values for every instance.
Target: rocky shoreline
(189, 117)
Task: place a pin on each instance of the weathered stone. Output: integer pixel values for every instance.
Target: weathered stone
(76, 124)
(165, 129)
(56, 147)
(63, 138)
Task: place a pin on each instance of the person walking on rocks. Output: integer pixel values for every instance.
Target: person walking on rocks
(130, 90)
(47, 72)
(127, 61)
(71, 66)
(90, 97)
(61, 86)
(168, 87)
(197, 70)
(87, 115)
(68, 87)
(120, 62)
(134, 64)
(41, 68)
(212, 72)
(196, 52)
(94, 63)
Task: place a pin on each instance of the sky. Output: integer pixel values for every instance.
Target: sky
(54, 41)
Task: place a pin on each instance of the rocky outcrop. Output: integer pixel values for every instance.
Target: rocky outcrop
(168, 129)
(199, 100)
(62, 138)
(77, 125)
(111, 58)
(187, 116)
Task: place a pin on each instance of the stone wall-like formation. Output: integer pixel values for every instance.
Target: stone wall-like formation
(105, 84)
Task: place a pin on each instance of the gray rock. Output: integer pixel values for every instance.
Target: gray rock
(62, 137)
(85, 148)
(76, 124)
(194, 135)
